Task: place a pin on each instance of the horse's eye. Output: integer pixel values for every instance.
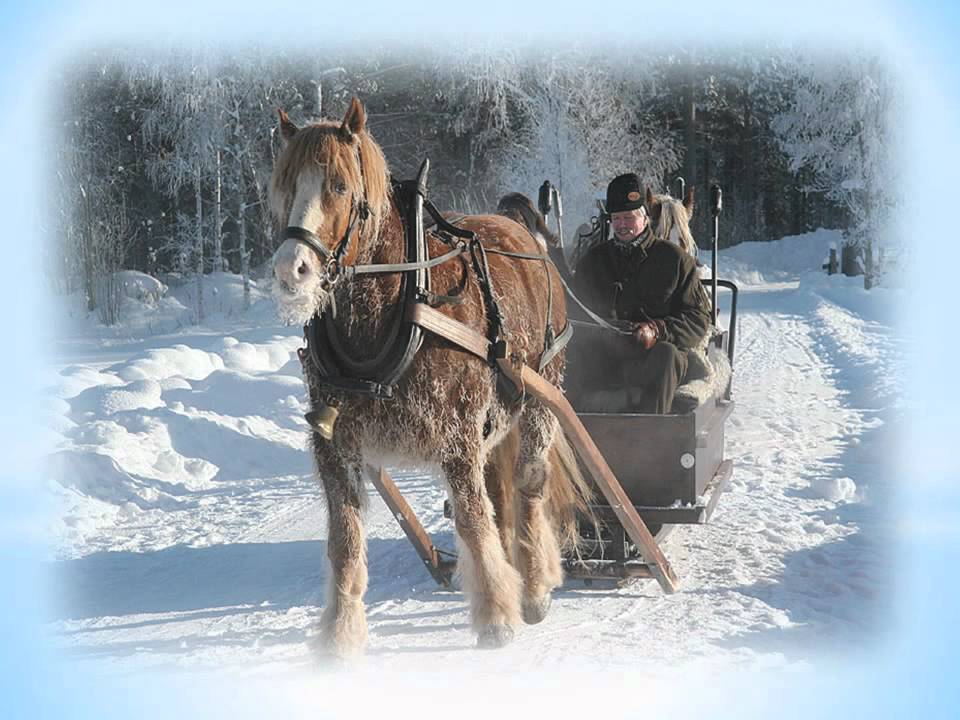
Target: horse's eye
(340, 188)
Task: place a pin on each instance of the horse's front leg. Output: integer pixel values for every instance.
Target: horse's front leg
(343, 625)
(491, 583)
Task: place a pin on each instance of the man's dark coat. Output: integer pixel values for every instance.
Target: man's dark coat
(644, 280)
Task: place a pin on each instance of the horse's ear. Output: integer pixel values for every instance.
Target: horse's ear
(688, 203)
(287, 128)
(649, 198)
(355, 120)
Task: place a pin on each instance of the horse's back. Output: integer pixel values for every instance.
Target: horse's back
(500, 232)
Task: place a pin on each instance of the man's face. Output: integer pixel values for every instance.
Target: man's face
(628, 224)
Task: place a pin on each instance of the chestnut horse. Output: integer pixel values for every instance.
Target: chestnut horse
(448, 410)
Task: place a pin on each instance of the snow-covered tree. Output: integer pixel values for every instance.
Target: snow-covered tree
(185, 131)
(94, 166)
(838, 128)
(585, 123)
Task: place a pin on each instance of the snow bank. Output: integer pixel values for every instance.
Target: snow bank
(74, 379)
(103, 401)
(222, 295)
(179, 360)
(152, 307)
(835, 489)
(879, 304)
(260, 357)
(752, 263)
(140, 286)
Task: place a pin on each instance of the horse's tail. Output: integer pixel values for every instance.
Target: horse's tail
(568, 494)
(519, 208)
(499, 482)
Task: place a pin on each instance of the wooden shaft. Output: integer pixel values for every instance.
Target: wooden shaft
(527, 379)
(439, 569)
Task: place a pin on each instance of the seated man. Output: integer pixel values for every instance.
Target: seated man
(653, 287)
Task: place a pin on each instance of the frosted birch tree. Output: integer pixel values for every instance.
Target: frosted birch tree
(584, 125)
(186, 132)
(838, 128)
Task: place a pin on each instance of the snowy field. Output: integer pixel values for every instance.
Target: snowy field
(190, 531)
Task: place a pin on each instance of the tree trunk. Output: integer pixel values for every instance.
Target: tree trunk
(198, 247)
(706, 225)
(242, 239)
(89, 271)
(217, 260)
(848, 258)
(690, 131)
(753, 216)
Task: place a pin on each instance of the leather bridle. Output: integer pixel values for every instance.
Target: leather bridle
(333, 260)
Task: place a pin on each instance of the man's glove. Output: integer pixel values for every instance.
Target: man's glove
(647, 334)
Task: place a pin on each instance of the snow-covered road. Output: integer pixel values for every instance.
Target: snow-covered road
(192, 531)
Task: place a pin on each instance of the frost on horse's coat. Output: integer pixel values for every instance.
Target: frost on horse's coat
(447, 409)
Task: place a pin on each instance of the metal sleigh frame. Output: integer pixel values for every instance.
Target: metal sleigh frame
(679, 481)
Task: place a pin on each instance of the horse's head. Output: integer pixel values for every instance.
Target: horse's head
(330, 189)
(670, 219)
(519, 208)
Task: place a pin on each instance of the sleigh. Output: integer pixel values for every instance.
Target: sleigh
(670, 467)
(651, 473)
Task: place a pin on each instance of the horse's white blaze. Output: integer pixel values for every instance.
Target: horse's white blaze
(297, 269)
(307, 210)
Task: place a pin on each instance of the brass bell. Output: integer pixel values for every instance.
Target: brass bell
(323, 420)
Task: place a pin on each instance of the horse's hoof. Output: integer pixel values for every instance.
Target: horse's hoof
(494, 636)
(534, 611)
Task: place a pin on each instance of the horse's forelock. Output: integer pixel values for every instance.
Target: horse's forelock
(376, 179)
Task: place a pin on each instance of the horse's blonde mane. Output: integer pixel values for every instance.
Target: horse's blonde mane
(674, 215)
(323, 144)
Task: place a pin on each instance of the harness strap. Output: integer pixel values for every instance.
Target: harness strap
(445, 225)
(361, 211)
(351, 270)
(450, 329)
(308, 237)
(522, 256)
(559, 343)
(469, 339)
(592, 315)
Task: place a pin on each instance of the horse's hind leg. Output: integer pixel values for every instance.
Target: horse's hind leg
(538, 552)
(343, 625)
(489, 580)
